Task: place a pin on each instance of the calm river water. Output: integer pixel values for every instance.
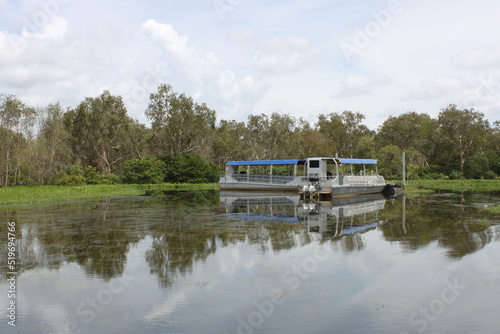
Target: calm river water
(206, 262)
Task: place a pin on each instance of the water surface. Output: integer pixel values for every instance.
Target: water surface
(205, 262)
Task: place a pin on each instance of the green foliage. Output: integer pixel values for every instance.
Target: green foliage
(463, 134)
(492, 209)
(409, 131)
(456, 175)
(93, 176)
(481, 166)
(189, 168)
(73, 175)
(17, 122)
(179, 124)
(431, 172)
(37, 144)
(455, 185)
(489, 175)
(98, 129)
(477, 167)
(344, 131)
(389, 162)
(228, 142)
(144, 171)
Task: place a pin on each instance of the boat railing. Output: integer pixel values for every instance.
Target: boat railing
(360, 180)
(363, 208)
(263, 178)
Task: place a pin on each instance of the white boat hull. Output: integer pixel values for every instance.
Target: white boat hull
(326, 188)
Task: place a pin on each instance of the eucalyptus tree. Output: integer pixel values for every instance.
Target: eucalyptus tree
(306, 141)
(53, 152)
(410, 132)
(98, 129)
(139, 136)
(179, 124)
(463, 133)
(17, 122)
(494, 148)
(229, 142)
(344, 131)
(268, 137)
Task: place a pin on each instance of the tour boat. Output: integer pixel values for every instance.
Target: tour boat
(312, 177)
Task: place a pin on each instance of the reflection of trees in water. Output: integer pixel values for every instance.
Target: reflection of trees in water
(31, 252)
(180, 242)
(457, 228)
(93, 235)
(175, 251)
(470, 238)
(278, 236)
(187, 229)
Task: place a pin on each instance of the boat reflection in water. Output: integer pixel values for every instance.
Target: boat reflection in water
(329, 219)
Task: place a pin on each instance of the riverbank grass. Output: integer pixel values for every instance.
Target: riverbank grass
(474, 186)
(55, 194)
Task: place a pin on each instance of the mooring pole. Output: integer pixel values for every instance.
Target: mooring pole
(404, 169)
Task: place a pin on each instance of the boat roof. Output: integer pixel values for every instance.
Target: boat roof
(348, 160)
(357, 161)
(264, 162)
(297, 161)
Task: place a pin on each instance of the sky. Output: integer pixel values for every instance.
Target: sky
(380, 58)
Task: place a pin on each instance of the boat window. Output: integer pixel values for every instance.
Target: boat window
(313, 163)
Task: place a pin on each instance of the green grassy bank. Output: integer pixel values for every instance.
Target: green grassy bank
(475, 186)
(56, 194)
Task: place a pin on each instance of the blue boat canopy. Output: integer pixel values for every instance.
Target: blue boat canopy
(357, 161)
(263, 162)
(297, 161)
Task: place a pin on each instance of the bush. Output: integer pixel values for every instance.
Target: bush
(110, 179)
(189, 168)
(92, 176)
(490, 175)
(71, 175)
(144, 171)
(456, 175)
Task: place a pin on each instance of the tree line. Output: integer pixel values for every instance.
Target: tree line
(97, 141)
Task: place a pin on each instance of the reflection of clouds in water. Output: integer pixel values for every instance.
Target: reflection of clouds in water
(162, 310)
(232, 262)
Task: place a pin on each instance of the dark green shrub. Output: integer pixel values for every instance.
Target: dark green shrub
(189, 168)
(456, 175)
(144, 171)
(92, 175)
(490, 175)
(71, 175)
(110, 179)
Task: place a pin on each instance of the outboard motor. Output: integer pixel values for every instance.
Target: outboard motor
(310, 190)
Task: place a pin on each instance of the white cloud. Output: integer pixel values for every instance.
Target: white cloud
(32, 58)
(285, 55)
(172, 41)
(477, 59)
(244, 36)
(56, 28)
(357, 85)
(227, 85)
(182, 58)
(262, 58)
